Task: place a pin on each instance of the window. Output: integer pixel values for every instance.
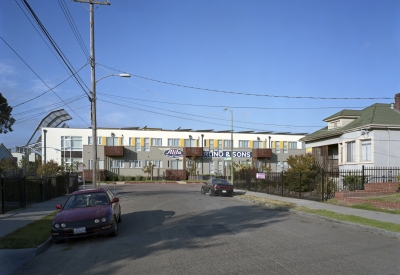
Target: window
(303, 145)
(211, 167)
(190, 142)
(173, 142)
(117, 163)
(278, 167)
(257, 144)
(220, 166)
(176, 164)
(137, 145)
(220, 144)
(285, 165)
(156, 142)
(351, 151)
(112, 141)
(211, 143)
(137, 164)
(227, 143)
(292, 145)
(285, 147)
(366, 150)
(146, 144)
(243, 144)
(277, 147)
(157, 163)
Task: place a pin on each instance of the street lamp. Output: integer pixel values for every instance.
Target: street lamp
(231, 143)
(94, 123)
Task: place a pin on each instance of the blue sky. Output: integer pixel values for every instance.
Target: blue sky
(278, 50)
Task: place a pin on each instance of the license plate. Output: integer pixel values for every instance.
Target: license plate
(80, 230)
(223, 191)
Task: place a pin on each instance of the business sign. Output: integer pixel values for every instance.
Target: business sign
(227, 154)
(260, 176)
(173, 153)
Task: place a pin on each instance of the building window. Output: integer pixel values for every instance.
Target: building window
(156, 142)
(220, 166)
(146, 144)
(137, 164)
(112, 141)
(292, 145)
(220, 144)
(351, 151)
(285, 147)
(176, 164)
(173, 142)
(137, 145)
(277, 147)
(278, 167)
(227, 143)
(157, 163)
(211, 167)
(90, 140)
(257, 144)
(116, 163)
(303, 145)
(366, 150)
(211, 144)
(243, 144)
(190, 142)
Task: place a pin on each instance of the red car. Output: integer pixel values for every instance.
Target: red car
(87, 213)
(216, 186)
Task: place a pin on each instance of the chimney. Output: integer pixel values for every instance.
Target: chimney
(397, 102)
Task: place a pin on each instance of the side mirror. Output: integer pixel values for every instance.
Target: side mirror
(114, 200)
(59, 206)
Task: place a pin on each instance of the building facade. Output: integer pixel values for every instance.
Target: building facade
(126, 152)
(356, 138)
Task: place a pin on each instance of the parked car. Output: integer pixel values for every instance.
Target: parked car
(88, 212)
(217, 187)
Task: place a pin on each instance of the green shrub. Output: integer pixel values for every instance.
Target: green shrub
(353, 182)
(128, 178)
(138, 177)
(121, 177)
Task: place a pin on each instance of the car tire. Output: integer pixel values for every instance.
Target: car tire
(115, 233)
(202, 191)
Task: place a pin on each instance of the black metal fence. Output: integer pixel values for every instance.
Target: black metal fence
(315, 185)
(19, 192)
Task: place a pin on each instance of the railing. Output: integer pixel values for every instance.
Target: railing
(21, 192)
(315, 185)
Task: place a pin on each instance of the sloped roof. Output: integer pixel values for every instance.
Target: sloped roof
(374, 116)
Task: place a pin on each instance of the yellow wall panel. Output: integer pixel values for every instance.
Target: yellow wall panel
(251, 144)
(215, 143)
(281, 145)
(274, 144)
(151, 139)
(263, 144)
(103, 140)
(132, 141)
(308, 150)
(119, 141)
(207, 143)
(181, 142)
(142, 142)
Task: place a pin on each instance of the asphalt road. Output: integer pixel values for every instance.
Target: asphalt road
(173, 229)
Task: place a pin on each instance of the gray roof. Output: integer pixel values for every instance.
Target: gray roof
(374, 116)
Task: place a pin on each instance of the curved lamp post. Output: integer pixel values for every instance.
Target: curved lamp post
(231, 142)
(94, 124)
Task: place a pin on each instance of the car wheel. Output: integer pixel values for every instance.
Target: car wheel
(202, 191)
(115, 233)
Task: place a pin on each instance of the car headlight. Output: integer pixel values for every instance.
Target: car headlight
(63, 225)
(96, 221)
(57, 225)
(103, 219)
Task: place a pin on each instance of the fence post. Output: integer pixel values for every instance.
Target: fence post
(300, 185)
(323, 184)
(282, 181)
(256, 183)
(42, 189)
(362, 176)
(24, 193)
(3, 197)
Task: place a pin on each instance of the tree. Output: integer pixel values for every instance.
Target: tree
(192, 166)
(303, 173)
(301, 163)
(51, 168)
(8, 167)
(149, 170)
(6, 120)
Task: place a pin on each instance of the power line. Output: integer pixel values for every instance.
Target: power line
(249, 94)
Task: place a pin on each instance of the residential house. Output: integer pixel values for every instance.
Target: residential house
(353, 138)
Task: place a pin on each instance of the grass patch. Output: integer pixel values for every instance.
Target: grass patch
(30, 236)
(387, 198)
(365, 206)
(329, 214)
(351, 218)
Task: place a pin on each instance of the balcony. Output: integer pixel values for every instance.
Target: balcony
(114, 151)
(193, 151)
(262, 153)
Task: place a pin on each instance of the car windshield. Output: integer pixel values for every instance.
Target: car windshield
(220, 182)
(86, 200)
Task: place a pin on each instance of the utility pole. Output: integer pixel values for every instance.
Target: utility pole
(93, 81)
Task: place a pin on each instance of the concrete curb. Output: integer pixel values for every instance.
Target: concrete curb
(43, 247)
(374, 230)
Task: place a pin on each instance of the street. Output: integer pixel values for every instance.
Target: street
(174, 229)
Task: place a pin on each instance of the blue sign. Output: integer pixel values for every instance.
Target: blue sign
(173, 153)
(227, 154)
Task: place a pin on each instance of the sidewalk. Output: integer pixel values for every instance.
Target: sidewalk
(11, 259)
